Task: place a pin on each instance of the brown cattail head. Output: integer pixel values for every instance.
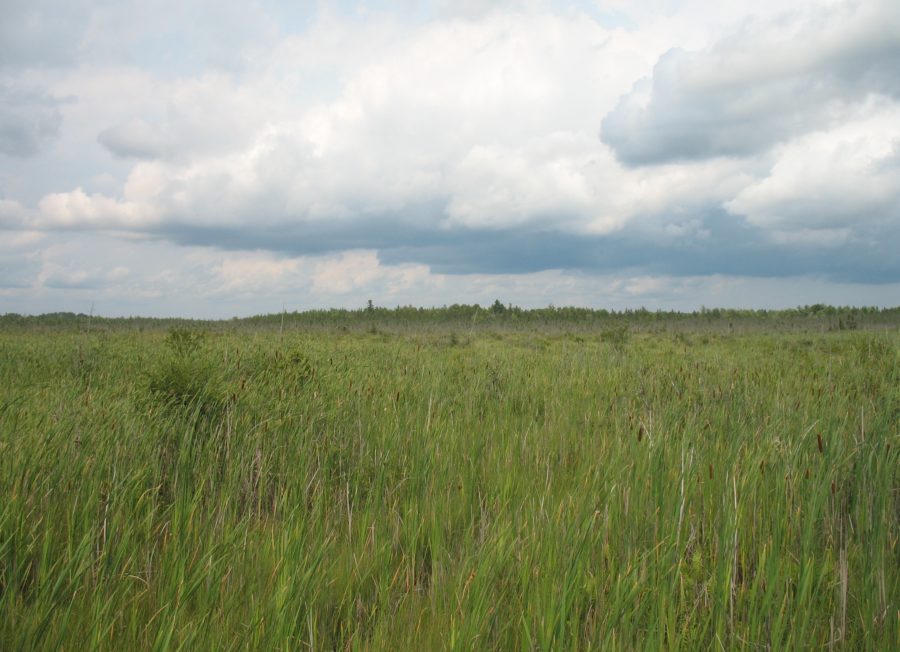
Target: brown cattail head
(641, 432)
(832, 487)
(710, 471)
(819, 437)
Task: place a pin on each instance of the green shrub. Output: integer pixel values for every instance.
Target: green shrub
(184, 342)
(186, 380)
(617, 335)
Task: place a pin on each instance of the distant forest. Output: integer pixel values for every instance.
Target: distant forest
(499, 316)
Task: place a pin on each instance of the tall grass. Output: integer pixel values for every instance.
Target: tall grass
(489, 491)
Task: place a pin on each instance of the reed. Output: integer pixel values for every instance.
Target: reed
(506, 490)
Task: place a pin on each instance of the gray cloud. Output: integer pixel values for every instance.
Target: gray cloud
(720, 243)
(761, 86)
(29, 120)
(135, 139)
(170, 279)
(42, 32)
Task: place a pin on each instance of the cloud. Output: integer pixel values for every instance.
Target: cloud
(203, 117)
(78, 269)
(61, 277)
(167, 34)
(42, 32)
(765, 84)
(846, 178)
(78, 210)
(415, 151)
(498, 187)
(135, 139)
(12, 214)
(432, 119)
(362, 269)
(19, 257)
(474, 9)
(29, 120)
(255, 271)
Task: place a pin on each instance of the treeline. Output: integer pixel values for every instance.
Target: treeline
(817, 317)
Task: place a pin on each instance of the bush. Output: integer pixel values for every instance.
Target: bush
(184, 379)
(617, 335)
(184, 342)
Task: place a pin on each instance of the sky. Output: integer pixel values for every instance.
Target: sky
(219, 158)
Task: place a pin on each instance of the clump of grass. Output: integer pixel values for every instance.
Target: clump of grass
(616, 335)
(184, 342)
(184, 380)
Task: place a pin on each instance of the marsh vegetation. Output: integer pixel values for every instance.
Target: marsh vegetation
(604, 487)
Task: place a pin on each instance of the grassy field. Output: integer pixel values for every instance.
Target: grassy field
(250, 489)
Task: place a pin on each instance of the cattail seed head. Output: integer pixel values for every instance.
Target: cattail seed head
(819, 437)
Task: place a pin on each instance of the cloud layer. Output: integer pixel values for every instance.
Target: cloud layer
(390, 148)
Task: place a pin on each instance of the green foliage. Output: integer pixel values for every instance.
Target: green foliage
(185, 383)
(184, 380)
(184, 342)
(500, 489)
(617, 335)
(408, 319)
